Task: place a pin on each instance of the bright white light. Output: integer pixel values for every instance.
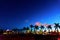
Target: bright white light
(7, 30)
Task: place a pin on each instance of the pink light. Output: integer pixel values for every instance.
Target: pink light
(38, 23)
(45, 25)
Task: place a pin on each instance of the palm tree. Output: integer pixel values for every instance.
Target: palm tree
(59, 26)
(21, 30)
(42, 27)
(31, 26)
(1, 31)
(49, 27)
(36, 27)
(41, 31)
(27, 30)
(24, 29)
(16, 30)
(56, 26)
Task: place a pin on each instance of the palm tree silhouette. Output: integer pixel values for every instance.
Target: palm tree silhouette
(31, 26)
(1, 31)
(49, 27)
(24, 29)
(42, 27)
(16, 30)
(59, 26)
(27, 29)
(36, 27)
(56, 26)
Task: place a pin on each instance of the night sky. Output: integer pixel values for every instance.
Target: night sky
(20, 13)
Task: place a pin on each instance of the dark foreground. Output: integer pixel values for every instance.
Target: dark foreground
(29, 37)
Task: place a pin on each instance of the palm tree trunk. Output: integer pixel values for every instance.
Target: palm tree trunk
(34, 31)
(31, 29)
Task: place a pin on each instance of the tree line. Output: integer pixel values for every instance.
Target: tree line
(32, 28)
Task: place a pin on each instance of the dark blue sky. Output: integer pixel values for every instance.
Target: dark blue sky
(20, 13)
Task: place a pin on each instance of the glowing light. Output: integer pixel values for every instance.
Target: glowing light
(38, 23)
(7, 30)
(45, 25)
